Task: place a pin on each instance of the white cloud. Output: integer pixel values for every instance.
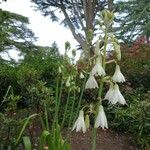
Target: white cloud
(46, 31)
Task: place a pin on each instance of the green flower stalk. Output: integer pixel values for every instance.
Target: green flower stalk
(106, 22)
(66, 107)
(72, 108)
(80, 99)
(58, 98)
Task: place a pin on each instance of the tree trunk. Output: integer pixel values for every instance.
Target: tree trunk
(110, 5)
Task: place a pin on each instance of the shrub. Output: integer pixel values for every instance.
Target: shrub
(136, 64)
(134, 118)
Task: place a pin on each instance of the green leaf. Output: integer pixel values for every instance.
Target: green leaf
(23, 128)
(27, 143)
(43, 139)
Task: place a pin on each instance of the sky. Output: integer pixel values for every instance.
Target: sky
(46, 30)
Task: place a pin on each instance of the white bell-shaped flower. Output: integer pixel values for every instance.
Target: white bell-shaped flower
(81, 75)
(91, 83)
(80, 123)
(101, 120)
(109, 93)
(120, 98)
(114, 95)
(98, 69)
(118, 76)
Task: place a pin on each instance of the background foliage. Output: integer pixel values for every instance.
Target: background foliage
(31, 82)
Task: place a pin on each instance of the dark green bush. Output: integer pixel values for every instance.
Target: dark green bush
(134, 118)
(136, 65)
(7, 77)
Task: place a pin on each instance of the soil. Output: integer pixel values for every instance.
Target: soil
(106, 140)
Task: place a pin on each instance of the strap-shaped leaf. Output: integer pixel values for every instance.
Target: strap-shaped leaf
(23, 128)
(43, 139)
(26, 143)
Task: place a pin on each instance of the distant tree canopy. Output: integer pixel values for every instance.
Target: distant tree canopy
(78, 15)
(134, 19)
(14, 32)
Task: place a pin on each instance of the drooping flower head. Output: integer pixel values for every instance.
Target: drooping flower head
(120, 97)
(101, 120)
(109, 93)
(114, 95)
(80, 123)
(118, 76)
(91, 83)
(98, 69)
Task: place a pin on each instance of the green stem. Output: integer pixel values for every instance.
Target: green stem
(66, 107)
(94, 133)
(58, 104)
(5, 97)
(46, 117)
(100, 91)
(81, 95)
(23, 128)
(72, 108)
(56, 98)
(42, 123)
(105, 45)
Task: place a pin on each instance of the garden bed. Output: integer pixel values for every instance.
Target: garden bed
(106, 140)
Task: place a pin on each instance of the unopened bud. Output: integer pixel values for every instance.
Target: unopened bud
(59, 70)
(87, 121)
(68, 82)
(81, 75)
(73, 52)
(117, 50)
(97, 48)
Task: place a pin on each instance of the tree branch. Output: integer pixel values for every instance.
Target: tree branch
(77, 14)
(77, 36)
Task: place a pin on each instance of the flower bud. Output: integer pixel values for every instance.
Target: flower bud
(81, 75)
(107, 17)
(78, 89)
(68, 82)
(73, 52)
(97, 48)
(59, 70)
(117, 50)
(87, 121)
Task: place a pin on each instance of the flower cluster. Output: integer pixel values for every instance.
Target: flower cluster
(113, 95)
